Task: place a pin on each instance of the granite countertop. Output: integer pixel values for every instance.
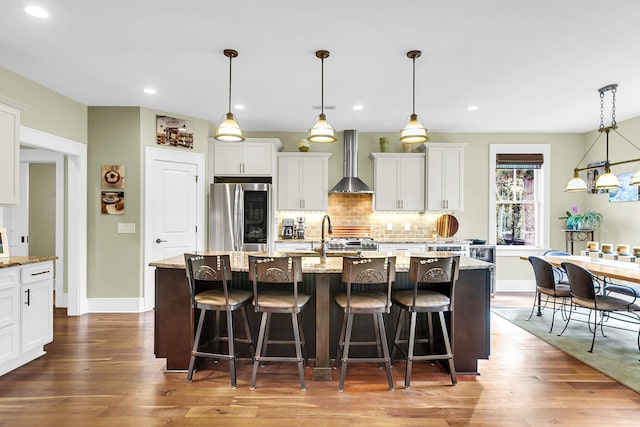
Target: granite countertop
(313, 264)
(24, 260)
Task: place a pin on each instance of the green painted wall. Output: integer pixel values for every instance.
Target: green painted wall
(119, 136)
(42, 209)
(46, 110)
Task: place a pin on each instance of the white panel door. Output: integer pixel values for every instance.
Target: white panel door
(174, 208)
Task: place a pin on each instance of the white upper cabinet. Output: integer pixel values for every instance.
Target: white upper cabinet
(445, 176)
(9, 152)
(252, 157)
(398, 181)
(303, 181)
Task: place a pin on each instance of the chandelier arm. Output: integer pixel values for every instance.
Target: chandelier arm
(587, 153)
(626, 139)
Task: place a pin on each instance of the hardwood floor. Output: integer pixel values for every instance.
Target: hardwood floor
(100, 371)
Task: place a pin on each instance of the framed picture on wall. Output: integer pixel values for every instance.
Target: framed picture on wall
(626, 192)
(112, 176)
(4, 243)
(173, 131)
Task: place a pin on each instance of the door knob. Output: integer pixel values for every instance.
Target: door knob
(160, 241)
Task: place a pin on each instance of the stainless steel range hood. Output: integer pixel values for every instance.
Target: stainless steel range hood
(351, 183)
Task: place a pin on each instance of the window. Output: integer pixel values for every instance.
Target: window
(519, 191)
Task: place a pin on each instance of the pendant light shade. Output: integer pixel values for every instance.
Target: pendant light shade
(322, 131)
(414, 131)
(229, 129)
(607, 180)
(576, 183)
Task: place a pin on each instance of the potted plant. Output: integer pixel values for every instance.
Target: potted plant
(587, 221)
(590, 220)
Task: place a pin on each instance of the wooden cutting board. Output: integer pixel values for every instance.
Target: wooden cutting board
(351, 231)
(446, 225)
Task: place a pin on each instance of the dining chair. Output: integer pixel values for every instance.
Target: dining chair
(367, 291)
(549, 282)
(584, 295)
(433, 282)
(209, 278)
(275, 291)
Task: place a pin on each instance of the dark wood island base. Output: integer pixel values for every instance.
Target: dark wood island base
(469, 329)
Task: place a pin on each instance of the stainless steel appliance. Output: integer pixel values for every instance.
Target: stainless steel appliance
(352, 244)
(300, 227)
(240, 216)
(459, 247)
(287, 228)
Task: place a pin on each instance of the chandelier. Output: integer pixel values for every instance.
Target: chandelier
(606, 180)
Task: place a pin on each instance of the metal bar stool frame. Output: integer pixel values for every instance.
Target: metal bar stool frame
(203, 273)
(265, 271)
(441, 273)
(365, 272)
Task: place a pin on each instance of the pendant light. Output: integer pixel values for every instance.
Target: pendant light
(414, 131)
(229, 129)
(322, 131)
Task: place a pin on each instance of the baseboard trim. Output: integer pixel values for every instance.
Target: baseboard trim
(115, 305)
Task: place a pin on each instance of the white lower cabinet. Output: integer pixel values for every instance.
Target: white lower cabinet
(293, 246)
(26, 313)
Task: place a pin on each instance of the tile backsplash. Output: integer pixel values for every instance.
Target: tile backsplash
(356, 210)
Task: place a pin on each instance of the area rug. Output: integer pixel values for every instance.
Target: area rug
(615, 355)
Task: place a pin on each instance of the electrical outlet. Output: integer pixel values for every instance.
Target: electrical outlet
(389, 226)
(407, 226)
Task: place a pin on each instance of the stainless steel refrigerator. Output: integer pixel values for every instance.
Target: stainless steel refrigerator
(240, 216)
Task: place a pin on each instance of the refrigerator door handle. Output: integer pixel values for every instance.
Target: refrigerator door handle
(239, 218)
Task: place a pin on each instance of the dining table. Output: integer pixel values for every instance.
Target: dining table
(610, 268)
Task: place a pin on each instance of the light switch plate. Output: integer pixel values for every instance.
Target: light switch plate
(407, 226)
(389, 226)
(126, 228)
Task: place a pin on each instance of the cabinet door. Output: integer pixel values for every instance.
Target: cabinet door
(411, 184)
(453, 182)
(289, 186)
(303, 182)
(386, 184)
(9, 314)
(256, 158)
(37, 314)
(445, 190)
(9, 154)
(227, 158)
(315, 182)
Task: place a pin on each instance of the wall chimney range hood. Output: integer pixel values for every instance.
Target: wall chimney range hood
(351, 183)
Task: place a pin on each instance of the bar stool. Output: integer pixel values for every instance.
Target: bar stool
(438, 275)
(365, 273)
(275, 290)
(209, 277)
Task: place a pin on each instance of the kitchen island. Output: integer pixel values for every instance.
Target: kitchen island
(174, 317)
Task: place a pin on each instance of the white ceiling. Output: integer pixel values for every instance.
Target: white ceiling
(530, 66)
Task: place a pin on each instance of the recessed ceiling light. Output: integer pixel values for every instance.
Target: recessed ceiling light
(150, 91)
(358, 107)
(472, 108)
(239, 107)
(36, 11)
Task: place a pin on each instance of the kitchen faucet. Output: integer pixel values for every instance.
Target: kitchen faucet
(323, 246)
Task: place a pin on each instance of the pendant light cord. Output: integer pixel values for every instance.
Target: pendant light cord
(414, 86)
(230, 59)
(322, 85)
